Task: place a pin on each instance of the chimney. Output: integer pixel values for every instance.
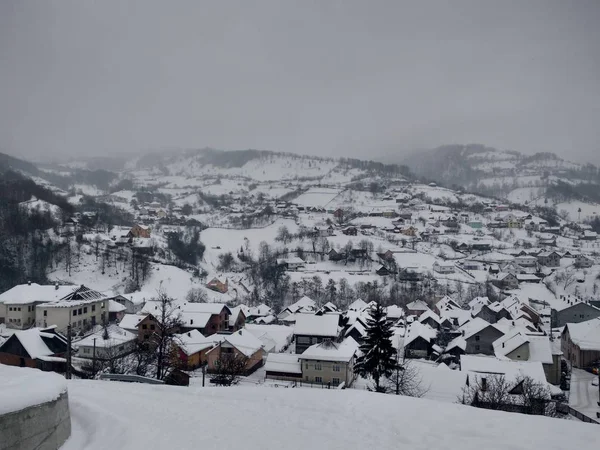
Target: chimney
(29, 283)
(191, 321)
(189, 334)
(56, 286)
(240, 332)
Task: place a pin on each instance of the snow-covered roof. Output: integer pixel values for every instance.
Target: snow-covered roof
(457, 342)
(357, 305)
(331, 351)
(116, 336)
(586, 335)
(312, 325)
(394, 312)
(193, 342)
(358, 326)
(475, 326)
(131, 321)
(430, 314)
(509, 343)
(194, 319)
(115, 306)
(283, 363)
(417, 329)
(244, 341)
(417, 305)
(32, 341)
(512, 370)
(29, 293)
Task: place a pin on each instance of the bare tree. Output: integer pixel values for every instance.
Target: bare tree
(487, 391)
(196, 295)
(168, 325)
(229, 368)
(406, 378)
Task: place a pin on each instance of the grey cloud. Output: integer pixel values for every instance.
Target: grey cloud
(320, 77)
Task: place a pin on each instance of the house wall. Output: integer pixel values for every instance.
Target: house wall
(253, 362)
(419, 348)
(520, 354)
(20, 315)
(94, 312)
(579, 312)
(483, 345)
(487, 314)
(303, 341)
(552, 371)
(344, 372)
(146, 328)
(114, 351)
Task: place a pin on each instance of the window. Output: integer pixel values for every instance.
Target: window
(74, 312)
(102, 305)
(318, 380)
(144, 327)
(19, 308)
(79, 311)
(45, 313)
(86, 350)
(336, 368)
(306, 366)
(85, 309)
(477, 338)
(93, 308)
(10, 308)
(318, 366)
(477, 347)
(335, 381)
(303, 340)
(152, 327)
(84, 322)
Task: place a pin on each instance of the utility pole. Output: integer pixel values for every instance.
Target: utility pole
(94, 359)
(68, 371)
(203, 373)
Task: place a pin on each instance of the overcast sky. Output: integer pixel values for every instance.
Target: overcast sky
(341, 78)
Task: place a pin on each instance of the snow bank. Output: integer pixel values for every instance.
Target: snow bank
(21, 387)
(135, 416)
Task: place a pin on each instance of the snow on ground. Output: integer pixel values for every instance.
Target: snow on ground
(230, 240)
(21, 387)
(317, 197)
(436, 193)
(583, 396)
(87, 189)
(138, 416)
(525, 194)
(588, 210)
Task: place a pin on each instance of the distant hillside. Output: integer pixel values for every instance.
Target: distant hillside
(519, 178)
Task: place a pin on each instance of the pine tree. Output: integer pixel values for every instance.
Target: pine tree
(378, 352)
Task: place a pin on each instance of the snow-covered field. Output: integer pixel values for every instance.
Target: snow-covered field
(112, 415)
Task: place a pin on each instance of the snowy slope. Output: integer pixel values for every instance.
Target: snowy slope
(112, 415)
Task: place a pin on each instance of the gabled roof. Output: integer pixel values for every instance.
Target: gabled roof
(446, 303)
(29, 293)
(586, 335)
(193, 342)
(416, 330)
(509, 343)
(475, 326)
(418, 305)
(131, 321)
(394, 312)
(244, 341)
(33, 341)
(312, 325)
(331, 351)
(430, 314)
(357, 305)
(116, 336)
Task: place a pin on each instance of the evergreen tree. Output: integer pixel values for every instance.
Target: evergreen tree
(377, 359)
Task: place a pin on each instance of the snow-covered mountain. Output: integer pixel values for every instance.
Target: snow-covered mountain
(541, 179)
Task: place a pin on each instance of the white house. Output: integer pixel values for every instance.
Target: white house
(443, 267)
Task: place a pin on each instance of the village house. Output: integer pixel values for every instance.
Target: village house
(416, 308)
(419, 340)
(329, 362)
(18, 304)
(479, 336)
(580, 342)
(350, 231)
(39, 348)
(549, 259)
(526, 260)
(114, 342)
(443, 267)
(574, 313)
(191, 348)
(520, 346)
(292, 263)
(241, 344)
(583, 262)
(283, 366)
(139, 231)
(505, 280)
(82, 309)
(218, 284)
(310, 329)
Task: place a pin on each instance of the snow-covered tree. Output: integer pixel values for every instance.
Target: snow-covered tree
(378, 353)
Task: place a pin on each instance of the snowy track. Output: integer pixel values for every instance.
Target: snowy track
(583, 395)
(112, 415)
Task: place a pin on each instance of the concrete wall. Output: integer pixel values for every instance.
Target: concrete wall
(41, 427)
(60, 316)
